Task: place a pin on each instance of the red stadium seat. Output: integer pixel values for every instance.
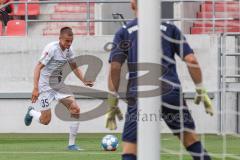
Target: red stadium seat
(16, 28)
(232, 23)
(220, 7)
(223, 9)
(71, 11)
(74, 8)
(77, 30)
(0, 28)
(33, 9)
(234, 15)
(209, 30)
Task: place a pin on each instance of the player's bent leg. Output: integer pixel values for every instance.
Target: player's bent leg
(71, 105)
(45, 117)
(192, 144)
(40, 110)
(129, 151)
(189, 138)
(194, 147)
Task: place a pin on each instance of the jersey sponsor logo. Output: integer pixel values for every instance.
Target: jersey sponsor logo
(132, 29)
(124, 45)
(135, 28)
(163, 28)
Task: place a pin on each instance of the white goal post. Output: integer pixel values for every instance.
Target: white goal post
(149, 52)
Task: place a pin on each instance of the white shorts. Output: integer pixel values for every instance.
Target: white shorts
(45, 99)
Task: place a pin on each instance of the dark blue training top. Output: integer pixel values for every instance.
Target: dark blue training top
(125, 41)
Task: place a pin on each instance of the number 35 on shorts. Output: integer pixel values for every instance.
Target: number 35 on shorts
(44, 102)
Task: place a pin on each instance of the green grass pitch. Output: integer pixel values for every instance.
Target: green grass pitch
(53, 147)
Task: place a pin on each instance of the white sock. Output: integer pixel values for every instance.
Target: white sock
(73, 129)
(36, 115)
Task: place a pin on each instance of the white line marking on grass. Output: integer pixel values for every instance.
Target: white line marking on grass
(234, 156)
(165, 139)
(71, 152)
(168, 151)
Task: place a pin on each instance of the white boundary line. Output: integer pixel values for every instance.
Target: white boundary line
(73, 152)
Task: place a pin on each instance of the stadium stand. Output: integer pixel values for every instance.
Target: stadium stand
(61, 11)
(228, 9)
(70, 11)
(16, 28)
(234, 23)
(33, 9)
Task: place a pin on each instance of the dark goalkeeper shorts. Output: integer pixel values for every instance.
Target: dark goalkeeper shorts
(171, 114)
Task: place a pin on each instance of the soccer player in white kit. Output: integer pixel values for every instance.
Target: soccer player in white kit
(54, 56)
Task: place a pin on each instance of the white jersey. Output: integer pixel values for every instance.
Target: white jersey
(54, 58)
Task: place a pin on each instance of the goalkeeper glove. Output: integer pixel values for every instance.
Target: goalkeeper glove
(113, 111)
(203, 96)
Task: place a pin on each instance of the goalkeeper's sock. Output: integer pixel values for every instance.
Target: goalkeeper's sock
(198, 152)
(129, 157)
(73, 133)
(35, 114)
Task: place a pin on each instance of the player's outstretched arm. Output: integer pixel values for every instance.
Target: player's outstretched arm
(196, 74)
(77, 71)
(35, 92)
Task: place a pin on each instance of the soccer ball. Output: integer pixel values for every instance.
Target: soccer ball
(109, 143)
